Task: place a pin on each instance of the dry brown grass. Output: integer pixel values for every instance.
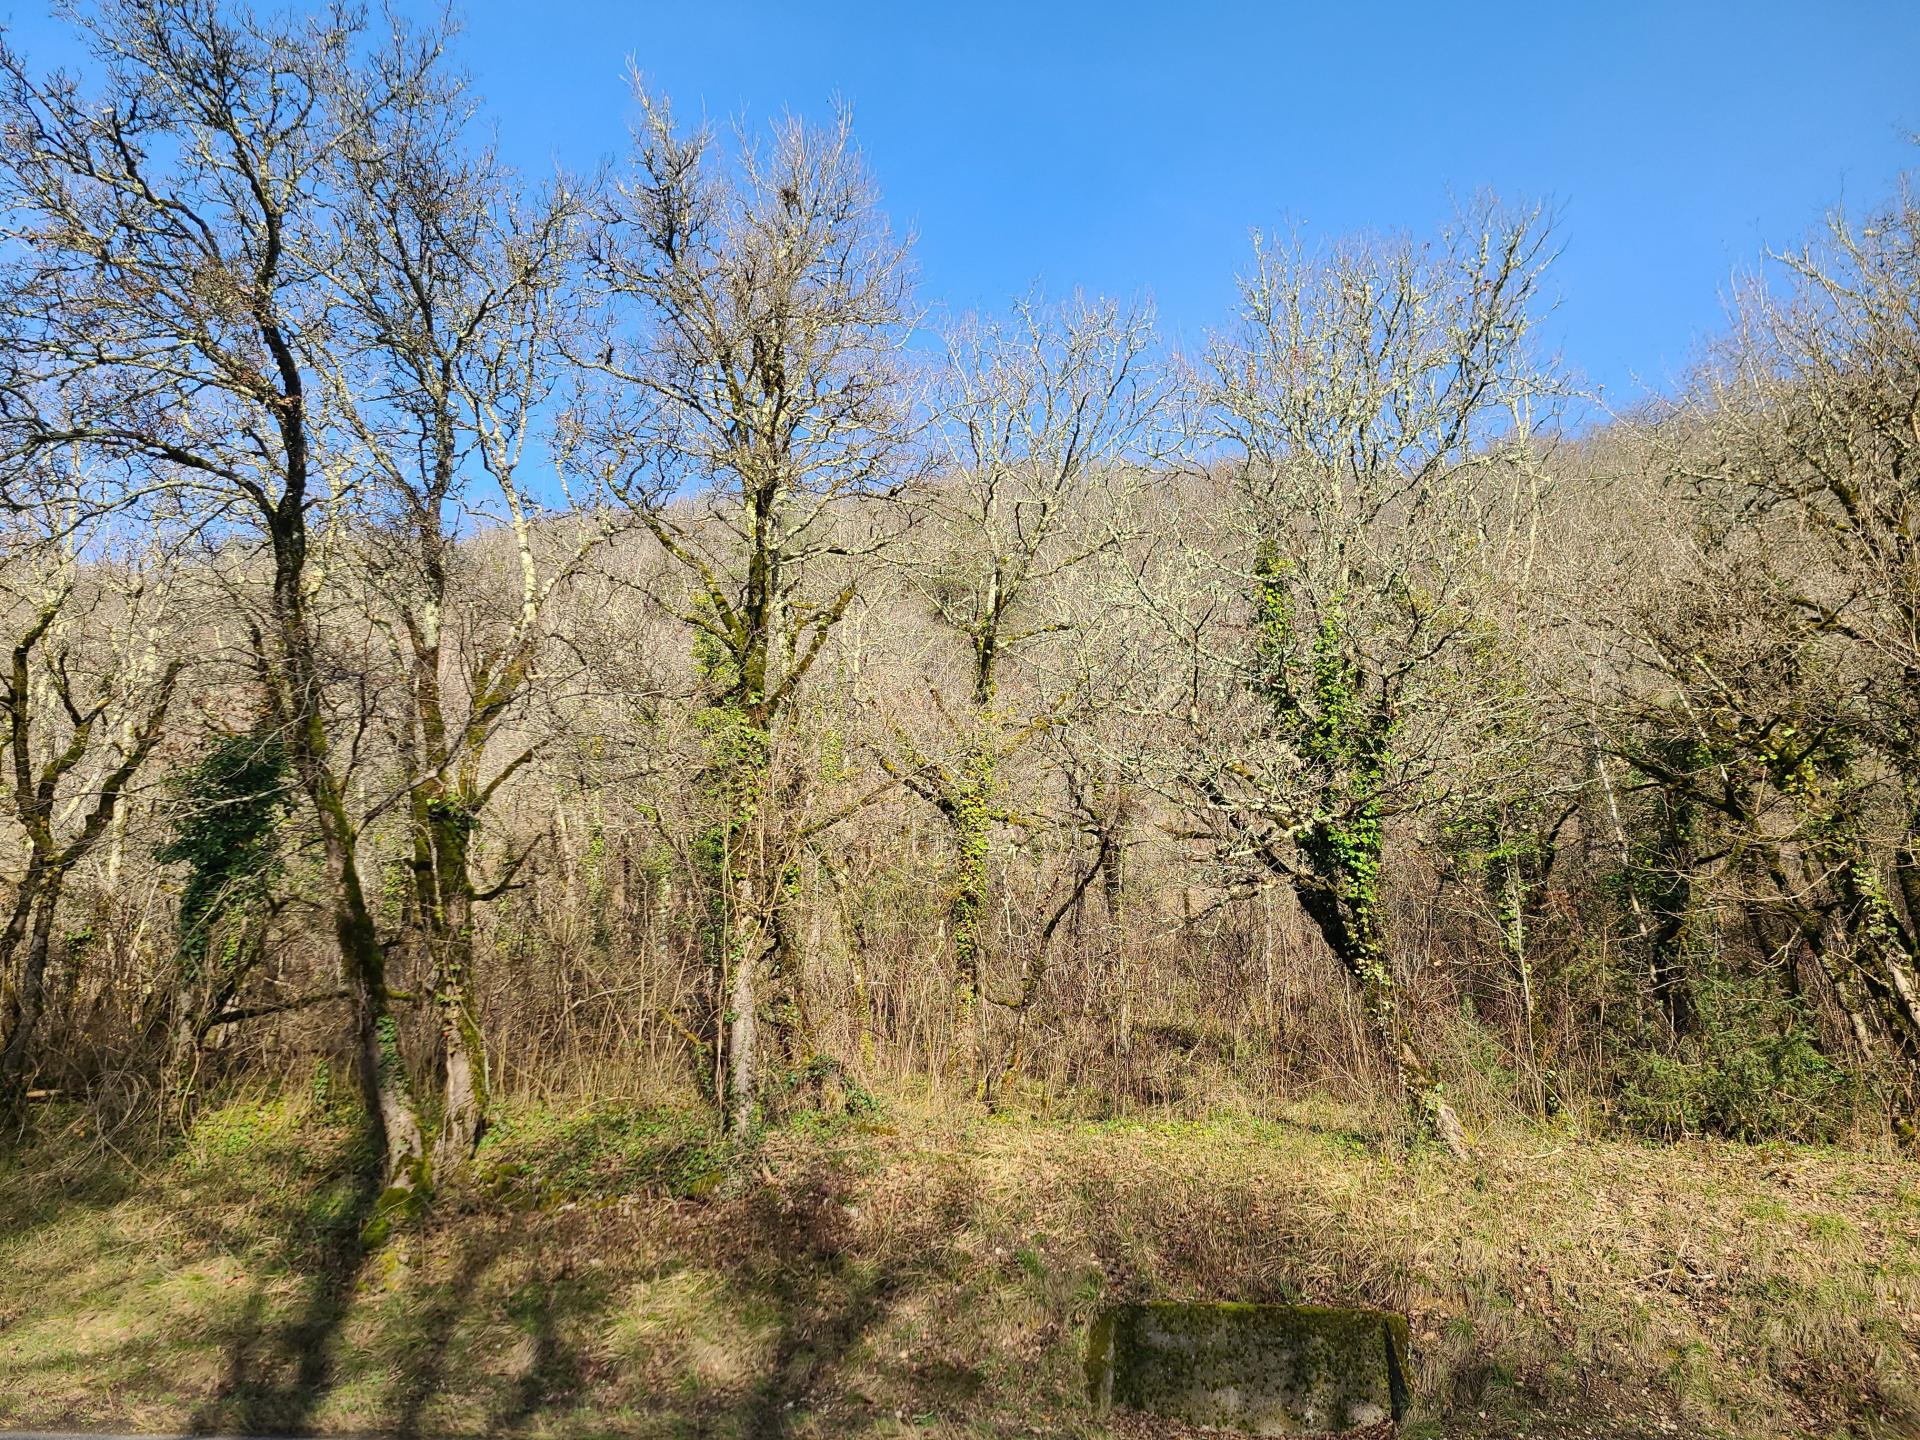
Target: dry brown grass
(928, 1274)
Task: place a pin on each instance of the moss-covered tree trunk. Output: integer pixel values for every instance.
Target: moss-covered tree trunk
(443, 828)
(446, 800)
(966, 803)
(378, 1071)
(26, 1002)
(744, 896)
(1340, 893)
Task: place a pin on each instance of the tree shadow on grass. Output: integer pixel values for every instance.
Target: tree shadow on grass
(423, 1377)
(277, 1375)
(799, 1252)
(555, 1372)
(784, 1253)
(788, 1251)
(819, 1331)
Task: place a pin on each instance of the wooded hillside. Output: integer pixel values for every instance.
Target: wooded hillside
(603, 636)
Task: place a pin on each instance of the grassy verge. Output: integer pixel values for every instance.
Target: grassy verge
(919, 1275)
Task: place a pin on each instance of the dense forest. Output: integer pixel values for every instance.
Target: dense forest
(607, 636)
(617, 823)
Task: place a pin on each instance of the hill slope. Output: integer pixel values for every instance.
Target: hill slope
(604, 1275)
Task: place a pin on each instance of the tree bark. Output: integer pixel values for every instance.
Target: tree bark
(1338, 906)
(378, 1069)
(743, 999)
(29, 1002)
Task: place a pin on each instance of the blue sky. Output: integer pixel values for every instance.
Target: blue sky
(1128, 148)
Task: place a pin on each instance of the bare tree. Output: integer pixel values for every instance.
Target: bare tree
(177, 232)
(455, 293)
(1374, 418)
(82, 714)
(764, 307)
(1043, 413)
(1799, 438)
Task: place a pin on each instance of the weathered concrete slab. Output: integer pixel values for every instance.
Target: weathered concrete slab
(1263, 1369)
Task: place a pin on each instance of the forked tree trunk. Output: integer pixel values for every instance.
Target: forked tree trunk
(378, 1069)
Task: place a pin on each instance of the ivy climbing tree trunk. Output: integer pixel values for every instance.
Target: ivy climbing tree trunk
(225, 813)
(1664, 878)
(1883, 950)
(1345, 736)
(1041, 412)
(757, 314)
(967, 803)
(1374, 406)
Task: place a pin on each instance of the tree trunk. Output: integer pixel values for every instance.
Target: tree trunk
(1513, 884)
(968, 808)
(443, 826)
(463, 1101)
(853, 927)
(465, 1091)
(743, 1021)
(1339, 902)
(378, 1071)
(1113, 865)
(965, 913)
(378, 1068)
(29, 1002)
